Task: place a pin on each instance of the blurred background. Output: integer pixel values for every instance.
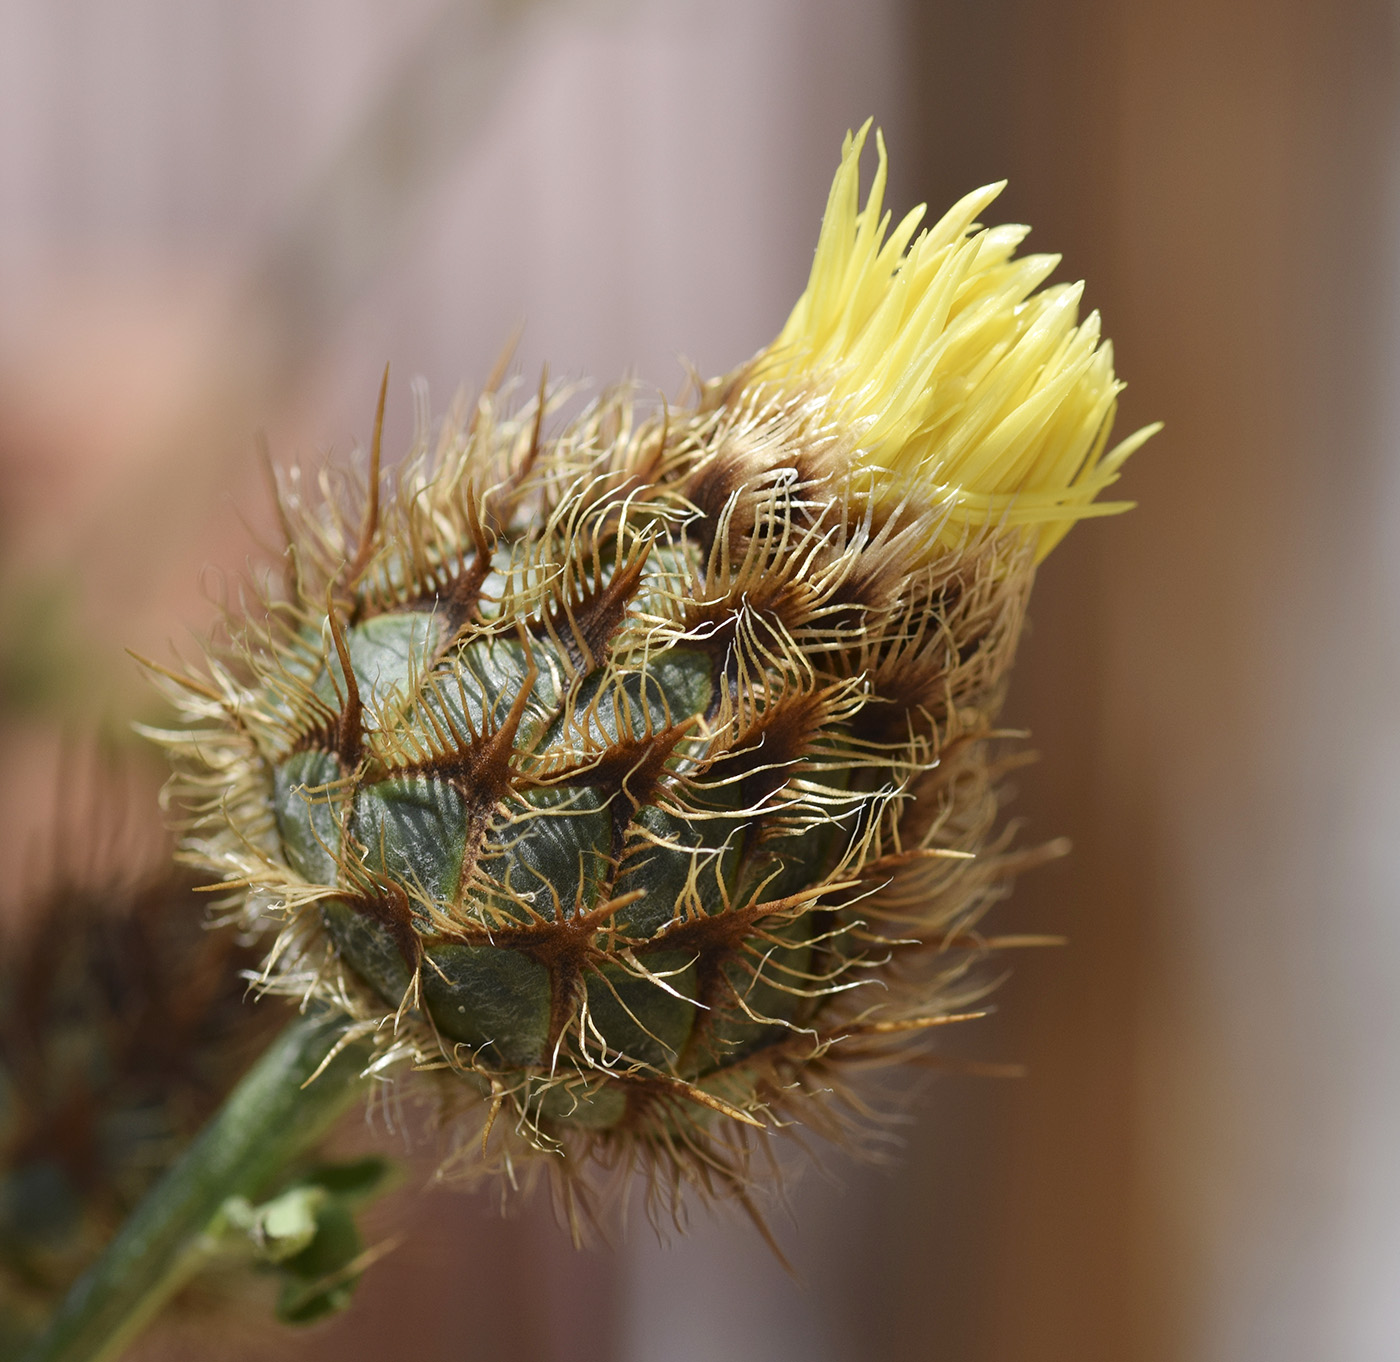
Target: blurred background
(225, 217)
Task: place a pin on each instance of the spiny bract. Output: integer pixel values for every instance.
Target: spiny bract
(644, 776)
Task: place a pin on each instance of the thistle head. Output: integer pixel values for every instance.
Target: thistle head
(641, 778)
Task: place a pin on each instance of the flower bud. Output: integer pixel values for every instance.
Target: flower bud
(642, 778)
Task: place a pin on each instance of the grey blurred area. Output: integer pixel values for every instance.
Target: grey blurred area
(219, 218)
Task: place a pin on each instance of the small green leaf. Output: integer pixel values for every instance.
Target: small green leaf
(321, 1279)
(357, 1179)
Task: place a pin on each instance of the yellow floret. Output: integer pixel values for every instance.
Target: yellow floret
(965, 388)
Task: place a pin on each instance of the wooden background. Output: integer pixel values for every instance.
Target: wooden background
(221, 216)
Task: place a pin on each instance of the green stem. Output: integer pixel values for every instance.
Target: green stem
(270, 1117)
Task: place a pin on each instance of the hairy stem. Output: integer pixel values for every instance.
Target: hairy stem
(272, 1116)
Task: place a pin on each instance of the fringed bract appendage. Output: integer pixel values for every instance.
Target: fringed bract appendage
(642, 777)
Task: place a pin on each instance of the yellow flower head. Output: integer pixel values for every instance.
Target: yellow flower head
(641, 779)
(960, 380)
